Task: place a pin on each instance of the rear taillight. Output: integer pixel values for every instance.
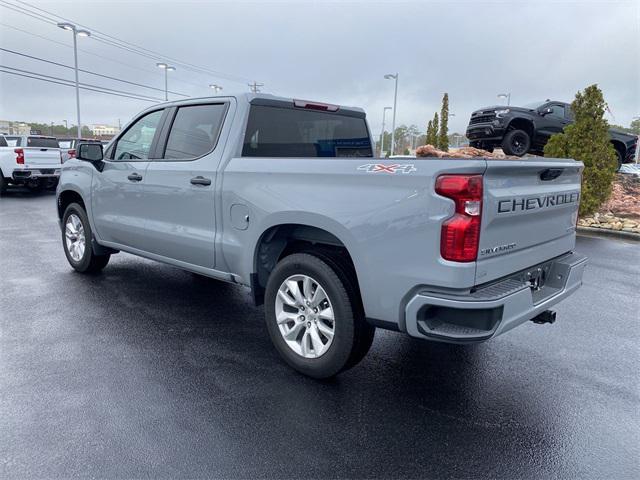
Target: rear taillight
(72, 153)
(19, 156)
(460, 234)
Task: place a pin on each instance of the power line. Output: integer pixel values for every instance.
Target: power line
(130, 47)
(88, 72)
(49, 39)
(70, 83)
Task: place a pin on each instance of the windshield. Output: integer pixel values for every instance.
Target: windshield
(534, 105)
(65, 143)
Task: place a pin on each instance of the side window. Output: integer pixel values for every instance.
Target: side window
(135, 143)
(194, 131)
(557, 111)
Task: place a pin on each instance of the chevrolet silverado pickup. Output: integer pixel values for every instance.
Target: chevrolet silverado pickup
(31, 161)
(284, 197)
(521, 130)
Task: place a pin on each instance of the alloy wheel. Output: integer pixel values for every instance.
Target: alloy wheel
(305, 316)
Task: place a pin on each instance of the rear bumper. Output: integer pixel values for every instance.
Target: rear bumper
(26, 174)
(492, 309)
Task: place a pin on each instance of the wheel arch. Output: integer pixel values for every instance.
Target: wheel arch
(66, 198)
(282, 239)
(521, 123)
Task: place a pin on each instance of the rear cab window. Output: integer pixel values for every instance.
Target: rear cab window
(13, 141)
(42, 142)
(280, 131)
(3, 142)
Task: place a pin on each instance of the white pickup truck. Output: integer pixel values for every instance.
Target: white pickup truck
(30, 160)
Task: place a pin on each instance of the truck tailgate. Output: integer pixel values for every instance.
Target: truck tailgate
(530, 209)
(36, 157)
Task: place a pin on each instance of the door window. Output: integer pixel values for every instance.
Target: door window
(135, 143)
(194, 132)
(557, 111)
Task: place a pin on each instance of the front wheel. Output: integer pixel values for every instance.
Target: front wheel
(76, 241)
(312, 317)
(516, 142)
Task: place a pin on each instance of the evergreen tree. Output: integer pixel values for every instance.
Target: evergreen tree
(429, 137)
(443, 133)
(436, 129)
(587, 140)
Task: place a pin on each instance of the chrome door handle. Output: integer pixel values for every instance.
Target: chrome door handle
(200, 180)
(135, 177)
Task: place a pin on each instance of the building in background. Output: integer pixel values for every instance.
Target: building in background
(14, 128)
(104, 130)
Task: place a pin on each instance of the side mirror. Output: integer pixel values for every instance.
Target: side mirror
(89, 152)
(546, 111)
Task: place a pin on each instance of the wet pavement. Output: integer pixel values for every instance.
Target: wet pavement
(149, 371)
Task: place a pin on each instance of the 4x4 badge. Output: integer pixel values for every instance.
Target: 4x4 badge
(381, 168)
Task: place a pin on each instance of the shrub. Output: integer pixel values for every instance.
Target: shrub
(587, 140)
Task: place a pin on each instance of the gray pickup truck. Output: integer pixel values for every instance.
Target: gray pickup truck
(285, 197)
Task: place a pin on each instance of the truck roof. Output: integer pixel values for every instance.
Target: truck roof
(249, 97)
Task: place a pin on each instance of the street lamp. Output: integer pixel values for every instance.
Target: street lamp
(76, 33)
(217, 88)
(507, 96)
(166, 68)
(384, 112)
(394, 76)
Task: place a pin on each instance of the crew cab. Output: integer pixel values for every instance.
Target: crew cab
(521, 130)
(32, 161)
(284, 197)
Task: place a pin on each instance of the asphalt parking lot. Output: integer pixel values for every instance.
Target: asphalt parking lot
(148, 371)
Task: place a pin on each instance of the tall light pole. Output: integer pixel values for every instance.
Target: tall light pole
(167, 69)
(76, 33)
(384, 112)
(389, 76)
(507, 96)
(217, 88)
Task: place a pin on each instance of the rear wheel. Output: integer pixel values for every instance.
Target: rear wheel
(312, 317)
(76, 241)
(516, 142)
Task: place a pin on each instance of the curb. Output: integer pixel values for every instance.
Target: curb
(606, 232)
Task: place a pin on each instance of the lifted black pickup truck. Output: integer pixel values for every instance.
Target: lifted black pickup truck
(520, 130)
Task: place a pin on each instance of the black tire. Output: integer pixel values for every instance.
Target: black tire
(3, 185)
(365, 332)
(475, 144)
(352, 335)
(516, 142)
(89, 262)
(618, 159)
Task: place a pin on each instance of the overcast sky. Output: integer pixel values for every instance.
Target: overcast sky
(331, 51)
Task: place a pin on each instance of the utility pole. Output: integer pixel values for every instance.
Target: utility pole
(255, 87)
(82, 33)
(384, 112)
(167, 68)
(389, 76)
